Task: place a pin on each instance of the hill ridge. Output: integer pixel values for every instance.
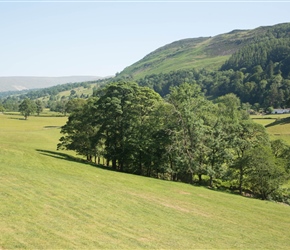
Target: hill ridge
(200, 52)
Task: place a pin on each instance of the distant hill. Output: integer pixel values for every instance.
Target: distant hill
(14, 83)
(203, 52)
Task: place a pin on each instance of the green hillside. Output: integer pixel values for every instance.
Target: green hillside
(203, 52)
(182, 54)
(51, 201)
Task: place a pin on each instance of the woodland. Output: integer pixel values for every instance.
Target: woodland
(184, 137)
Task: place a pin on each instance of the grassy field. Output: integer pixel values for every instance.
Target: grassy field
(50, 201)
(278, 126)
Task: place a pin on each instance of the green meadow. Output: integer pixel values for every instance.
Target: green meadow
(277, 125)
(51, 200)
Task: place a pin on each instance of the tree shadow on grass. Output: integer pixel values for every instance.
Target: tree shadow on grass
(59, 155)
(18, 118)
(281, 121)
(67, 157)
(52, 127)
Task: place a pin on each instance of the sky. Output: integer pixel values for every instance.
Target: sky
(101, 38)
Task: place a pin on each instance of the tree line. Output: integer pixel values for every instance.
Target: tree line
(261, 88)
(183, 137)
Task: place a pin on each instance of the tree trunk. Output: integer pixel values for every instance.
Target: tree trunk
(149, 170)
(200, 178)
(210, 181)
(89, 158)
(121, 166)
(174, 177)
(140, 162)
(241, 177)
(114, 164)
(191, 178)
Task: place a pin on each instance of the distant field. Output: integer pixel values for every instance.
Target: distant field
(278, 126)
(44, 113)
(50, 201)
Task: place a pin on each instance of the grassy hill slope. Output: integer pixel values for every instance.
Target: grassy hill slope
(50, 201)
(187, 53)
(203, 52)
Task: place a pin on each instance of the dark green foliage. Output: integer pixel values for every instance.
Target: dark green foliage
(125, 113)
(255, 87)
(79, 131)
(184, 136)
(27, 107)
(10, 103)
(257, 72)
(246, 136)
(162, 83)
(59, 106)
(275, 50)
(1, 108)
(39, 107)
(74, 105)
(264, 174)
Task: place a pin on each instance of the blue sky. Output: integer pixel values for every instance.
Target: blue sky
(100, 38)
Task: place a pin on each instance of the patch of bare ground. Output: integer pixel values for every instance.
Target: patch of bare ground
(203, 196)
(184, 192)
(184, 207)
(142, 239)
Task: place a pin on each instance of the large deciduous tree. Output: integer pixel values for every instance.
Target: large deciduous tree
(39, 107)
(264, 174)
(27, 107)
(126, 116)
(78, 131)
(192, 117)
(246, 137)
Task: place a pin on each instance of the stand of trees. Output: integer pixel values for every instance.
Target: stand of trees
(260, 87)
(184, 137)
(259, 74)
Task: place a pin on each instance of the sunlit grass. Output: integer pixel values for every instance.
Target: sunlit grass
(277, 125)
(270, 116)
(79, 91)
(49, 201)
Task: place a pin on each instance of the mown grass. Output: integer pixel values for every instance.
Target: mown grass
(278, 126)
(50, 201)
